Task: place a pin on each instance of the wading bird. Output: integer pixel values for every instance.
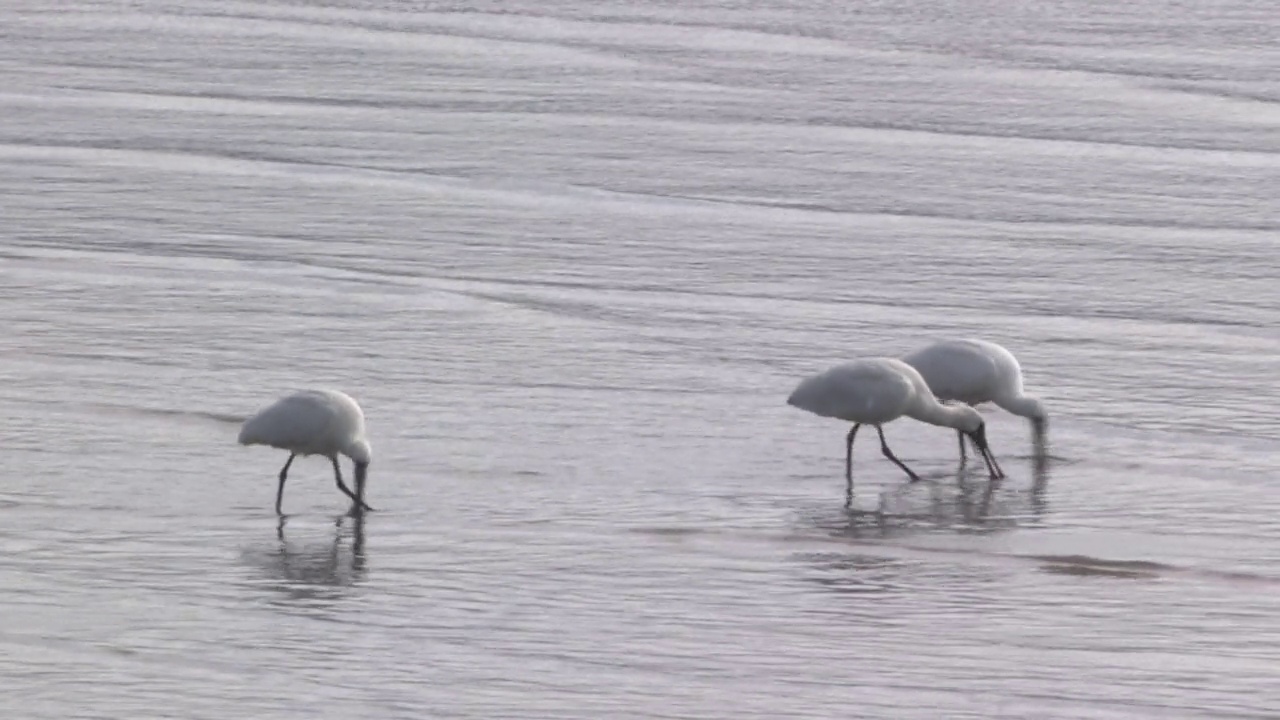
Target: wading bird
(974, 372)
(314, 422)
(875, 391)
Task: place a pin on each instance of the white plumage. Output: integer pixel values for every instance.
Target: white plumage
(875, 391)
(975, 372)
(314, 422)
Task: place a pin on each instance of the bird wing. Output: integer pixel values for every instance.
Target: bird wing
(291, 423)
(860, 391)
(956, 371)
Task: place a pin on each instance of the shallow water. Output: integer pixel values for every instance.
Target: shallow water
(571, 259)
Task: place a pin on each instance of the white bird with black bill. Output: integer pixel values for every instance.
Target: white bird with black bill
(874, 391)
(975, 372)
(314, 422)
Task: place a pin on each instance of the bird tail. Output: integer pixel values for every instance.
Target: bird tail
(810, 395)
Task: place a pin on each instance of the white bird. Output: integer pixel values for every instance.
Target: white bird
(974, 372)
(314, 422)
(875, 391)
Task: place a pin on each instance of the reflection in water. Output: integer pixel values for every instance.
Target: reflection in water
(317, 571)
(972, 507)
(961, 506)
(967, 505)
(1039, 484)
(964, 507)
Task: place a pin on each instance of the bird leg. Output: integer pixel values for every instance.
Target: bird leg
(337, 475)
(848, 467)
(884, 448)
(284, 473)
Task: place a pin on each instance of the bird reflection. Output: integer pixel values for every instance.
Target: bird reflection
(968, 505)
(1039, 486)
(902, 511)
(317, 570)
(909, 513)
(972, 506)
(1037, 496)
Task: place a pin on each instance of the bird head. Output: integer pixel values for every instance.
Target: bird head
(979, 437)
(359, 451)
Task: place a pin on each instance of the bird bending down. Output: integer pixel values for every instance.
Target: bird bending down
(974, 372)
(875, 391)
(314, 422)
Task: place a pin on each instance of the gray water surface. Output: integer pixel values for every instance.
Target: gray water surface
(571, 258)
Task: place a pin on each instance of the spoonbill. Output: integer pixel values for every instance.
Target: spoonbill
(314, 422)
(974, 372)
(874, 391)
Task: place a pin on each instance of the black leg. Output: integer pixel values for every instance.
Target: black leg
(337, 475)
(284, 473)
(848, 467)
(960, 434)
(884, 448)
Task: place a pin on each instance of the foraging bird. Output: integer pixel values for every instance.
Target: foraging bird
(974, 372)
(314, 422)
(875, 391)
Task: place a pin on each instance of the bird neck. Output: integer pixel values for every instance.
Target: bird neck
(1024, 405)
(959, 416)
